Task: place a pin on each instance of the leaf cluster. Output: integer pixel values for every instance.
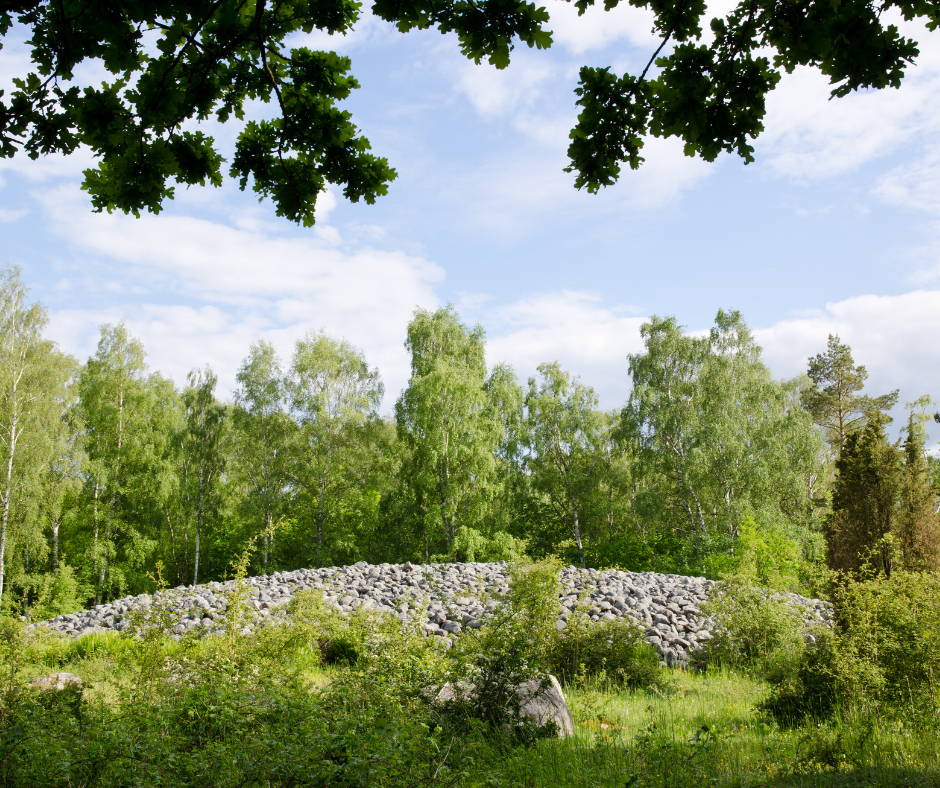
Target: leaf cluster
(173, 63)
(712, 95)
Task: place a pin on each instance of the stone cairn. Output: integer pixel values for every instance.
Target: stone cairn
(445, 598)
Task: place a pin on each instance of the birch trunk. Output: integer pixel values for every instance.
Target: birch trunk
(321, 516)
(4, 521)
(198, 522)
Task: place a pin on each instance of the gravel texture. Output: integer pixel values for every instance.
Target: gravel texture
(446, 598)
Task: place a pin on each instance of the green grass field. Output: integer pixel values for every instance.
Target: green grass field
(693, 730)
(706, 731)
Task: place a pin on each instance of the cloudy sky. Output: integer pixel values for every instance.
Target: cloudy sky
(834, 229)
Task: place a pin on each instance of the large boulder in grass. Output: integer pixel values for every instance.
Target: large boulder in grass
(57, 681)
(540, 700)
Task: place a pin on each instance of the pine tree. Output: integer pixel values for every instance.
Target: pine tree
(918, 522)
(865, 499)
(833, 400)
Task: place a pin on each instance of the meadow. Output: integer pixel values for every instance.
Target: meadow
(327, 700)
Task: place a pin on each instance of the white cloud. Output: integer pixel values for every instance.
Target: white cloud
(48, 168)
(198, 291)
(597, 28)
(7, 216)
(494, 91)
(914, 184)
(369, 30)
(578, 330)
(809, 137)
(895, 337)
(664, 177)
(511, 195)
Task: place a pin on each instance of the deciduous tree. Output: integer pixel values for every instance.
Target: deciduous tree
(129, 416)
(334, 396)
(199, 462)
(566, 435)
(172, 64)
(720, 441)
(33, 374)
(447, 419)
(261, 434)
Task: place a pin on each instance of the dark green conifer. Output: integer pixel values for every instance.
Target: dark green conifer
(918, 526)
(865, 499)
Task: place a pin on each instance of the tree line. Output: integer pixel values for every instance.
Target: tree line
(115, 479)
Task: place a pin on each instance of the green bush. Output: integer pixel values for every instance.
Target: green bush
(882, 657)
(752, 629)
(521, 642)
(613, 650)
(58, 593)
(514, 647)
(888, 641)
(808, 688)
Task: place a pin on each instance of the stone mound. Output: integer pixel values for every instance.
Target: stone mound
(445, 598)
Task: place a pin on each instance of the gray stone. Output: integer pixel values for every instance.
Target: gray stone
(57, 681)
(541, 701)
(436, 593)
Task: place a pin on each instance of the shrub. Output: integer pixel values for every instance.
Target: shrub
(752, 628)
(514, 647)
(883, 655)
(808, 688)
(614, 650)
(59, 593)
(888, 641)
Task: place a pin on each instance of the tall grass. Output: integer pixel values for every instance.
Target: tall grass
(276, 708)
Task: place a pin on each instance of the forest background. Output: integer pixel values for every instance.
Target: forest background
(115, 477)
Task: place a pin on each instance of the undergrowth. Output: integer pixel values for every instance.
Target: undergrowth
(325, 700)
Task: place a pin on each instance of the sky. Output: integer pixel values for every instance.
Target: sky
(835, 228)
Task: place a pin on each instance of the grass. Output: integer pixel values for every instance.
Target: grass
(705, 731)
(694, 731)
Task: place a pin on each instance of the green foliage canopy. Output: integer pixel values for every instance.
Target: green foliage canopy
(712, 94)
(170, 63)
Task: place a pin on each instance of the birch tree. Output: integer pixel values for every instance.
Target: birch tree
(261, 434)
(333, 396)
(727, 442)
(198, 461)
(125, 412)
(446, 418)
(663, 414)
(32, 379)
(566, 445)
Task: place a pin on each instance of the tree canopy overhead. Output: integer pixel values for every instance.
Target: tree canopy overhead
(172, 64)
(712, 96)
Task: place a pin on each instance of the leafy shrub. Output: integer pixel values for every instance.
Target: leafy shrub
(614, 650)
(513, 648)
(753, 629)
(338, 651)
(884, 653)
(58, 593)
(808, 688)
(888, 641)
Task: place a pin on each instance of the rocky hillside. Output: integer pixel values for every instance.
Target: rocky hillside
(446, 598)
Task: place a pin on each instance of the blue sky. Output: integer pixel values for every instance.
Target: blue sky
(833, 229)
